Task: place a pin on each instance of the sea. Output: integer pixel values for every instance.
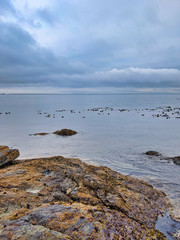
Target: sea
(113, 130)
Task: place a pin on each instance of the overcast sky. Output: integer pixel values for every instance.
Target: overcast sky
(89, 46)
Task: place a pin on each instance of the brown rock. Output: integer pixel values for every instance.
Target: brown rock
(63, 198)
(7, 155)
(65, 132)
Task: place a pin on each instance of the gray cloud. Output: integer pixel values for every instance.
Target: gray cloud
(79, 44)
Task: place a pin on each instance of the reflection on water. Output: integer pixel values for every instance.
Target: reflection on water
(115, 136)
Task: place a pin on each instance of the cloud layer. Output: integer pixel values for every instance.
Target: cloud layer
(90, 45)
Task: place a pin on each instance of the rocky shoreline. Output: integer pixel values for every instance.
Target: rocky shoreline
(65, 198)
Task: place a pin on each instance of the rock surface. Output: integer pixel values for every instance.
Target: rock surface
(65, 132)
(7, 155)
(61, 198)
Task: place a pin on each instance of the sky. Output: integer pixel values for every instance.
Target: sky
(89, 46)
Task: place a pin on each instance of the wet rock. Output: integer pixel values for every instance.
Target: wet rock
(63, 198)
(39, 134)
(176, 160)
(7, 155)
(65, 132)
(152, 153)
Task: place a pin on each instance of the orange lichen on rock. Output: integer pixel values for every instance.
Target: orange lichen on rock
(63, 198)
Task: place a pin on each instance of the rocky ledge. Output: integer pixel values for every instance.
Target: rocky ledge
(63, 198)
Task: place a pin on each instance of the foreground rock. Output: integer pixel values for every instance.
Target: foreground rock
(60, 198)
(7, 155)
(65, 132)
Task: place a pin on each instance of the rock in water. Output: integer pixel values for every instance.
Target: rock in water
(63, 198)
(7, 155)
(176, 160)
(65, 132)
(152, 153)
(39, 134)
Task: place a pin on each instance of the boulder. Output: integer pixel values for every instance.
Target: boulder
(7, 155)
(65, 132)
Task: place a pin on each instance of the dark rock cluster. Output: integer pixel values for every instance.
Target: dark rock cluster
(151, 153)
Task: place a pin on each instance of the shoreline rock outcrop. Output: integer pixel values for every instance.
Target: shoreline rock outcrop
(7, 155)
(64, 198)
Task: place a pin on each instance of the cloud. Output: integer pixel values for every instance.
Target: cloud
(24, 61)
(84, 44)
(6, 7)
(128, 77)
(45, 15)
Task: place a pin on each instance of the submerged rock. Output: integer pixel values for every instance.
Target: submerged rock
(63, 198)
(152, 153)
(176, 160)
(65, 132)
(39, 134)
(7, 155)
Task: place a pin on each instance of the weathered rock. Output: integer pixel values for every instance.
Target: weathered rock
(152, 153)
(65, 132)
(61, 198)
(7, 155)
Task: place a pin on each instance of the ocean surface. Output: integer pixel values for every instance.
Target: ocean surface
(113, 130)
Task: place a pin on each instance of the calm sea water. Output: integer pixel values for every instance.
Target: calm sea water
(105, 136)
